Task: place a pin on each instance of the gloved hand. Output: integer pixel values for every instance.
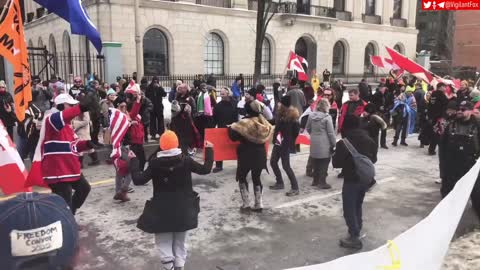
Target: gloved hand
(90, 103)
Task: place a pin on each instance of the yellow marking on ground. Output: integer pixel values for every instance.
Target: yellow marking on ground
(46, 190)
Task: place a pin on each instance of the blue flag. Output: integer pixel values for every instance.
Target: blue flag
(73, 12)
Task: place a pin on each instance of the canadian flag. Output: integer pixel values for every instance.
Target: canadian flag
(295, 63)
(383, 62)
(410, 66)
(12, 169)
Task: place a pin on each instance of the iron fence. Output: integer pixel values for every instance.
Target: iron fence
(45, 64)
(226, 80)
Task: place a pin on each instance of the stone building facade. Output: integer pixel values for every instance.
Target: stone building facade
(218, 36)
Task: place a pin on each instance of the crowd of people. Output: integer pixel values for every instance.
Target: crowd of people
(442, 116)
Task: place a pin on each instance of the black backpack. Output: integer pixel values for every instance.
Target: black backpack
(364, 168)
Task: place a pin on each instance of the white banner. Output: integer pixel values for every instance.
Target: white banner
(423, 246)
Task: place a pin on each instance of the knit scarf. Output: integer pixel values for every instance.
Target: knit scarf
(200, 102)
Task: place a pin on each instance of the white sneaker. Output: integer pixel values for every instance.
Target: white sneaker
(438, 181)
(157, 136)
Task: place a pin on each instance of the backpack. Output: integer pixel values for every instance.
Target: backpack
(364, 168)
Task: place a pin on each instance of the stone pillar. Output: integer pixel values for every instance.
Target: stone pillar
(9, 75)
(358, 9)
(387, 11)
(349, 6)
(412, 13)
(113, 60)
(239, 4)
(379, 7)
(405, 9)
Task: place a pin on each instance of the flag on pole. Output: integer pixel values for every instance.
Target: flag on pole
(73, 12)
(12, 169)
(383, 62)
(410, 66)
(295, 64)
(14, 49)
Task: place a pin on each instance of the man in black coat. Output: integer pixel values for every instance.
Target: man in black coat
(380, 100)
(364, 89)
(436, 109)
(353, 191)
(156, 93)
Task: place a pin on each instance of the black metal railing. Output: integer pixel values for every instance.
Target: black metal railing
(356, 78)
(45, 64)
(214, 3)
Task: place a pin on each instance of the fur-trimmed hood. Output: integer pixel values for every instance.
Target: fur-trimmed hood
(255, 129)
(290, 115)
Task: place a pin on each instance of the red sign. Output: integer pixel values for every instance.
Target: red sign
(223, 147)
(450, 5)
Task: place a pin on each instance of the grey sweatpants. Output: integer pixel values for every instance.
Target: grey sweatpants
(173, 249)
(122, 182)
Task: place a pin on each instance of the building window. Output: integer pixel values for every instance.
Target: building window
(30, 43)
(397, 9)
(67, 53)
(369, 51)
(52, 48)
(213, 57)
(338, 66)
(40, 42)
(398, 48)
(155, 53)
(370, 7)
(339, 5)
(266, 57)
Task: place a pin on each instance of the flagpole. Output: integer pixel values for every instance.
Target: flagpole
(5, 9)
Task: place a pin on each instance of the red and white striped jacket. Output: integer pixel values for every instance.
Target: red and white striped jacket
(60, 149)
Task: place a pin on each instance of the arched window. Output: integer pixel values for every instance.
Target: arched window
(266, 57)
(370, 7)
(397, 9)
(155, 53)
(67, 53)
(398, 48)
(369, 51)
(52, 49)
(40, 42)
(338, 66)
(213, 57)
(30, 43)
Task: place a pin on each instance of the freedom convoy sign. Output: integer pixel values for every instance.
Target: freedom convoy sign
(37, 241)
(423, 246)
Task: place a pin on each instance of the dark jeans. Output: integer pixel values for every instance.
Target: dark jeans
(352, 196)
(138, 150)
(157, 124)
(278, 154)
(401, 126)
(383, 137)
(242, 176)
(64, 190)
(433, 143)
(95, 129)
(145, 131)
(320, 170)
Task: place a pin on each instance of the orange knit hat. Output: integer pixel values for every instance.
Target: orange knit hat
(168, 140)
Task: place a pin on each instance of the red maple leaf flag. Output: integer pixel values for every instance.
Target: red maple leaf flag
(295, 64)
(12, 169)
(415, 69)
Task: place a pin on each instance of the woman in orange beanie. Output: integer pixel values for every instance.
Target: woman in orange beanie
(174, 208)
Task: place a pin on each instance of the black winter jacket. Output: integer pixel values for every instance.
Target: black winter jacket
(343, 159)
(225, 113)
(437, 105)
(156, 94)
(289, 128)
(174, 206)
(8, 118)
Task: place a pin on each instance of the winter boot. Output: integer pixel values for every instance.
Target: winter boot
(395, 142)
(123, 195)
(277, 186)
(258, 207)
(117, 196)
(352, 243)
(245, 199)
(293, 192)
(309, 168)
(403, 143)
(322, 184)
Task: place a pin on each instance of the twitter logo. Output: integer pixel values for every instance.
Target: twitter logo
(427, 5)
